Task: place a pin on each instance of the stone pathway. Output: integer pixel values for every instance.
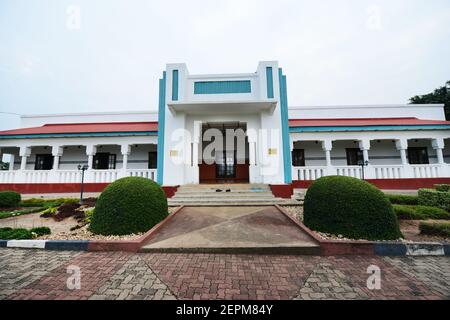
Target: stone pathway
(39, 274)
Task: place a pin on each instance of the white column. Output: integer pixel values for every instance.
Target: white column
(11, 162)
(327, 145)
(364, 145)
(57, 152)
(91, 150)
(438, 145)
(125, 149)
(402, 146)
(24, 153)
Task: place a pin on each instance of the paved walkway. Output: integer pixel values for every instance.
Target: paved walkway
(225, 229)
(38, 274)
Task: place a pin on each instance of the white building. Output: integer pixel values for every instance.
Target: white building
(393, 146)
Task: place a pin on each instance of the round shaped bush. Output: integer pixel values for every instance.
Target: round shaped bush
(9, 199)
(129, 205)
(350, 207)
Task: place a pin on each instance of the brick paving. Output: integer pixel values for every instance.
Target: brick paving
(39, 274)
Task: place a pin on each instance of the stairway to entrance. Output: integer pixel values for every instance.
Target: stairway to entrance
(226, 194)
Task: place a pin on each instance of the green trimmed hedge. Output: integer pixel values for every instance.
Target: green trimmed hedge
(435, 228)
(434, 198)
(350, 207)
(15, 234)
(129, 205)
(36, 202)
(442, 187)
(403, 199)
(40, 231)
(406, 212)
(9, 199)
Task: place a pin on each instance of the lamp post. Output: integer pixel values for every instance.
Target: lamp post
(83, 168)
(363, 164)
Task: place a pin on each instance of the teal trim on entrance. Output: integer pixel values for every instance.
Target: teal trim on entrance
(219, 87)
(175, 85)
(370, 128)
(269, 78)
(161, 127)
(285, 127)
(81, 134)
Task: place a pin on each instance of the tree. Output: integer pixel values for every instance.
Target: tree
(439, 95)
(3, 165)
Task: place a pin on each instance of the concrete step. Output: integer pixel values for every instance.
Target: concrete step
(224, 195)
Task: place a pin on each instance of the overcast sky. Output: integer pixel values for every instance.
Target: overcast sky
(110, 56)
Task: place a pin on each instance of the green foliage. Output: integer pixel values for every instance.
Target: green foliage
(40, 231)
(89, 214)
(4, 165)
(403, 199)
(439, 95)
(435, 228)
(129, 205)
(35, 202)
(434, 198)
(9, 199)
(406, 212)
(350, 207)
(14, 213)
(442, 187)
(15, 234)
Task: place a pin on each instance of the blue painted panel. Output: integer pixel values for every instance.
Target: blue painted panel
(175, 85)
(161, 126)
(218, 87)
(269, 77)
(79, 245)
(285, 128)
(389, 249)
(370, 128)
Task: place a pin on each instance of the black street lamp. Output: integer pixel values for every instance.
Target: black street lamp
(83, 168)
(363, 164)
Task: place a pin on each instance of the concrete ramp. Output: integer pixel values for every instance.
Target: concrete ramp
(259, 229)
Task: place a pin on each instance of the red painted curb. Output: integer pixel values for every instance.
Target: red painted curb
(329, 247)
(130, 245)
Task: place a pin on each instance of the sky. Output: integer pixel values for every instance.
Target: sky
(107, 55)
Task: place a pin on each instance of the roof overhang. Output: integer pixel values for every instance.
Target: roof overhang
(222, 107)
(369, 128)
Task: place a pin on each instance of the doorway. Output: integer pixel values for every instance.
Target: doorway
(229, 164)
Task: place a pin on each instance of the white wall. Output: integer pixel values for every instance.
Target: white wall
(125, 116)
(420, 111)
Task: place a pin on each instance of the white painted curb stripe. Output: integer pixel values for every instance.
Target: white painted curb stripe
(38, 244)
(424, 250)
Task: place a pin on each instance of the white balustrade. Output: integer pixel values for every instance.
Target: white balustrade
(36, 176)
(103, 176)
(388, 172)
(308, 173)
(349, 171)
(68, 176)
(425, 170)
(145, 173)
(7, 176)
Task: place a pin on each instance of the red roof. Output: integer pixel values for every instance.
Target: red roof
(363, 122)
(86, 128)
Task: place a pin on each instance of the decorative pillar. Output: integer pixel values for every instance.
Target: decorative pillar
(24, 152)
(327, 145)
(91, 150)
(57, 152)
(402, 146)
(11, 162)
(125, 149)
(438, 145)
(364, 145)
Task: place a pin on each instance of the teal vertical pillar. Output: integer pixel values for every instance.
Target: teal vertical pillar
(285, 128)
(161, 129)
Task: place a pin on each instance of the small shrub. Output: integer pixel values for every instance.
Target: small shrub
(406, 212)
(49, 212)
(435, 228)
(442, 187)
(403, 199)
(9, 199)
(35, 202)
(15, 234)
(350, 207)
(129, 205)
(89, 214)
(433, 198)
(40, 231)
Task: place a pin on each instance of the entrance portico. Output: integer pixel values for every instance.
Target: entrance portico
(194, 107)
